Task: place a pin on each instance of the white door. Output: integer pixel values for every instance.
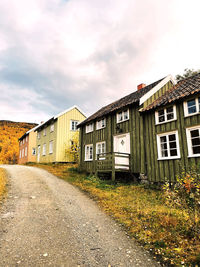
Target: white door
(122, 145)
(38, 154)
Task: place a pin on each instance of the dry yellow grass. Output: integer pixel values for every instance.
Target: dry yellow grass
(3, 178)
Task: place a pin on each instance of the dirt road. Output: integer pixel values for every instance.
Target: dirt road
(47, 222)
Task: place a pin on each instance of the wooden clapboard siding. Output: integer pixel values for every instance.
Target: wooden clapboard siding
(134, 126)
(45, 139)
(65, 135)
(160, 92)
(162, 170)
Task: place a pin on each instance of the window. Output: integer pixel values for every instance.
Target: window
(26, 151)
(192, 107)
(44, 150)
(165, 115)
(50, 147)
(38, 135)
(193, 141)
(26, 138)
(89, 128)
(101, 124)
(23, 141)
(100, 148)
(45, 132)
(123, 116)
(168, 146)
(88, 152)
(74, 125)
(33, 151)
(51, 128)
(22, 152)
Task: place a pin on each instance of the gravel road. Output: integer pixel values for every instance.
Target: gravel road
(45, 221)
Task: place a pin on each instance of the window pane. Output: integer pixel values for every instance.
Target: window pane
(120, 116)
(163, 139)
(161, 118)
(125, 114)
(191, 106)
(172, 145)
(196, 150)
(173, 152)
(196, 141)
(164, 153)
(161, 112)
(172, 137)
(164, 146)
(170, 110)
(170, 113)
(194, 133)
(170, 116)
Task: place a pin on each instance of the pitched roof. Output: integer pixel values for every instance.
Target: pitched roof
(26, 133)
(181, 90)
(123, 102)
(39, 127)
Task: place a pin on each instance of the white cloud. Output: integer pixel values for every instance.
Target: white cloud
(89, 53)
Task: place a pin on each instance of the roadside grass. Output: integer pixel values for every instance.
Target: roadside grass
(164, 230)
(3, 179)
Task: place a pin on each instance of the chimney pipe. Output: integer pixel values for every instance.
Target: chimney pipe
(140, 86)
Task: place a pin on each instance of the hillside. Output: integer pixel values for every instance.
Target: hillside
(10, 132)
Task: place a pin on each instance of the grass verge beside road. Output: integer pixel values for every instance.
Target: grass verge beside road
(165, 230)
(3, 179)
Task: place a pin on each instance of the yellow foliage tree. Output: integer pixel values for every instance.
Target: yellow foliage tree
(10, 132)
(72, 149)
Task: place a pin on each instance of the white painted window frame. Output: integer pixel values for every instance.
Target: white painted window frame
(51, 147)
(99, 124)
(165, 114)
(71, 123)
(89, 128)
(189, 142)
(38, 135)
(89, 146)
(185, 107)
(101, 143)
(52, 128)
(25, 152)
(159, 146)
(123, 111)
(44, 147)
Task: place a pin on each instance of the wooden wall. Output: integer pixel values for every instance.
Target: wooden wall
(134, 126)
(161, 170)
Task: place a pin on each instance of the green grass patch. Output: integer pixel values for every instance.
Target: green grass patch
(164, 230)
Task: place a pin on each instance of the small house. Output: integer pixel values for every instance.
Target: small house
(58, 137)
(27, 147)
(113, 140)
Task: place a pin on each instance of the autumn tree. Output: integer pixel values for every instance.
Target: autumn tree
(72, 149)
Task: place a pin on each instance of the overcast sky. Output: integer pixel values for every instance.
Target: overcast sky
(55, 54)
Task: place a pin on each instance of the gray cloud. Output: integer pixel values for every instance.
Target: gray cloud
(55, 54)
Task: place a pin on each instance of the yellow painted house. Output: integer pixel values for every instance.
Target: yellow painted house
(59, 136)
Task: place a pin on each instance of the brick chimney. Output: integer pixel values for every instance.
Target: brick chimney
(140, 86)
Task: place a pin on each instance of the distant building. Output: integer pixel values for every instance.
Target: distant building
(56, 136)
(27, 147)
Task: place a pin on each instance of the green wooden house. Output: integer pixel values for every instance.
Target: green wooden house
(113, 139)
(172, 131)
